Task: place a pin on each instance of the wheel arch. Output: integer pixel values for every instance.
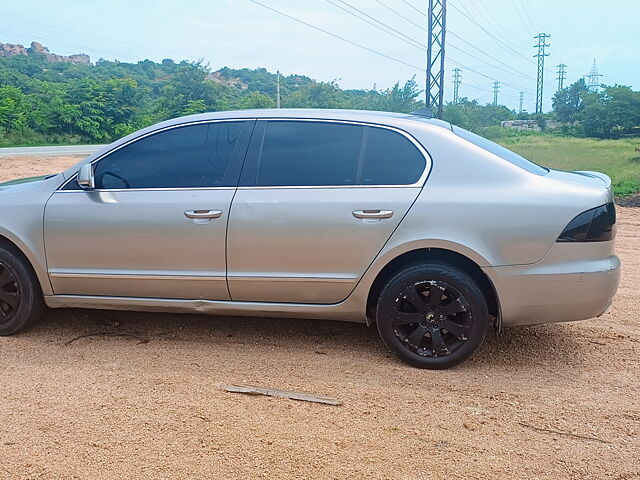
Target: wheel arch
(6, 239)
(430, 254)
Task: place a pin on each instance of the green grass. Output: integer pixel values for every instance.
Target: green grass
(616, 158)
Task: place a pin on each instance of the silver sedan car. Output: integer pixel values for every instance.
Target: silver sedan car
(426, 230)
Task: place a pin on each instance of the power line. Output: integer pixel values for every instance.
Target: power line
(389, 57)
(83, 34)
(526, 25)
(453, 34)
(400, 35)
(500, 42)
(491, 21)
(416, 9)
(401, 15)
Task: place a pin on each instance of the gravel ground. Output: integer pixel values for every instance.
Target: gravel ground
(554, 401)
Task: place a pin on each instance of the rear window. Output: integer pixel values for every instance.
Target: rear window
(500, 151)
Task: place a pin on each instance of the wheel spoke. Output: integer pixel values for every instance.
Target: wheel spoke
(437, 343)
(417, 335)
(416, 299)
(10, 299)
(459, 331)
(404, 318)
(435, 294)
(6, 276)
(452, 308)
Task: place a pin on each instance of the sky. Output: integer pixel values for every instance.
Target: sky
(489, 40)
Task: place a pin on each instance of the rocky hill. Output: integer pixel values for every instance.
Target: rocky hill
(12, 49)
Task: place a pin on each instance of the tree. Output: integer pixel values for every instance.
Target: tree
(569, 102)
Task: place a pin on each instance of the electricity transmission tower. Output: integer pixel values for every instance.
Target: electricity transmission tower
(457, 80)
(562, 74)
(496, 89)
(541, 46)
(521, 101)
(593, 82)
(437, 20)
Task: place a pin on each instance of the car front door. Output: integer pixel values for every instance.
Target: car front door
(317, 201)
(155, 225)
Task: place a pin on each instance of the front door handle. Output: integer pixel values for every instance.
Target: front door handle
(203, 214)
(373, 213)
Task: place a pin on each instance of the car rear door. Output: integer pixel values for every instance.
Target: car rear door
(317, 201)
(155, 226)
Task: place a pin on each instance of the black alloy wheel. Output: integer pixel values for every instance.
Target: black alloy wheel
(432, 315)
(9, 293)
(21, 300)
(431, 318)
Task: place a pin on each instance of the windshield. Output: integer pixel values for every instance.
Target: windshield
(500, 151)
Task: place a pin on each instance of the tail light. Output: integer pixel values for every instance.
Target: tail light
(595, 225)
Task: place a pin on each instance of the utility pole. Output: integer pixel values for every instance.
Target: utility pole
(541, 46)
(457, 80)
(437, 22)
(496, 89)
(593, 82)
(278, 90)
(521, 101)
(562, 74)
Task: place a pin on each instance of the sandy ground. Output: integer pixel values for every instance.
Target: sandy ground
(555, 401)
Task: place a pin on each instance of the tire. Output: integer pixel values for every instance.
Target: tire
(432, 315)
(21, 301)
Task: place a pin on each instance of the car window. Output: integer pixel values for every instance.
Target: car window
(184, 157)
(390, 159)
(303, 153)
(309, 154)
(500, 151)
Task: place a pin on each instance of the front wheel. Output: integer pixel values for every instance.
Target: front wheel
(432, 315)
(21, 301)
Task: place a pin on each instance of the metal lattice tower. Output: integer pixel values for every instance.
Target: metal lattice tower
(437, 22)
(562, 74)
(541, 46)
(457, 80)
(593, 83)
(496, 89)
(521, 101)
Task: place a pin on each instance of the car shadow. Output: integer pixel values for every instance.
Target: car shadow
(553, 346)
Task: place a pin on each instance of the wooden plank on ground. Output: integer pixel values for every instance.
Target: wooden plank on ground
(274, 392)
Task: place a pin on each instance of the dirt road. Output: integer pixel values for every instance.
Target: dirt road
(556, 401)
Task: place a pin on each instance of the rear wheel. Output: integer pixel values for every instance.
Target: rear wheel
(432, 315)
(21, 301)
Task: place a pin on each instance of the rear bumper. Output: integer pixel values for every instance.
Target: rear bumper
(573, 282)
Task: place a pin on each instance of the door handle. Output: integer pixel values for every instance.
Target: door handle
(373, 213)
(203, 213)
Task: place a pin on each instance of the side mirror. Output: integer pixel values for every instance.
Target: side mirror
(86, 180)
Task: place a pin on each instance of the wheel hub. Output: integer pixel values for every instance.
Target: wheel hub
(432, 318)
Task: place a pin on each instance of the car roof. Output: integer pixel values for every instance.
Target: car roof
(309, 113)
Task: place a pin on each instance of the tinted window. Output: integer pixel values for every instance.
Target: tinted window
(390, 159)
(334, 154)
(184, 157)
(500, 151)
(307, 153)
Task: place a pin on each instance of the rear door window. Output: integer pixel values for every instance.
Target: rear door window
(305, 153)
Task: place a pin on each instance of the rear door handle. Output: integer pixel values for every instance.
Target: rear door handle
(203, 213)
(373, 213)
